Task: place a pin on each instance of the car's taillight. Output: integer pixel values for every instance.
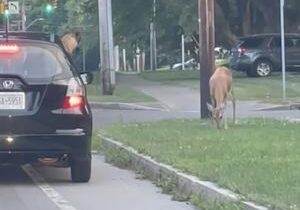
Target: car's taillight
(9, 48)
(73, 102)
(74, 98)
(242, 51)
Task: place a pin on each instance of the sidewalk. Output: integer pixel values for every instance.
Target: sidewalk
(184, 99)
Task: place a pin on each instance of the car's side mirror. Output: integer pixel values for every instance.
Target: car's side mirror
(87, 77)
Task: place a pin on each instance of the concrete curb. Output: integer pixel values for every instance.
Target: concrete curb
(128, 72)
(123, 106)
(281, 108)
(186, 184)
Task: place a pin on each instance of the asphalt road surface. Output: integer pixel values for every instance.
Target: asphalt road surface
(110, 188)
(41, 188)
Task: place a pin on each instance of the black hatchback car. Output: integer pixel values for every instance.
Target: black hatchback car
(259, 55)
(44, 113)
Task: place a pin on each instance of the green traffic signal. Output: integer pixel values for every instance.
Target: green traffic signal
(6, 13)
(49, 8)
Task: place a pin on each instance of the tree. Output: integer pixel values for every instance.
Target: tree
(131, 19)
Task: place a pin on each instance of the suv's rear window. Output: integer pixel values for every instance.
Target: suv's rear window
(251, 43)
(34, 61)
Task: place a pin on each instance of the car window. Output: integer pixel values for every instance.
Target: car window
(276, 43)
(296, 42)
(34, 61)
(252, 43)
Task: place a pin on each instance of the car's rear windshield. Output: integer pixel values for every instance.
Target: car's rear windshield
(251, 43)
(33, 61)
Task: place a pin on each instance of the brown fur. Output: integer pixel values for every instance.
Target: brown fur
(220, 85)
(70, 41)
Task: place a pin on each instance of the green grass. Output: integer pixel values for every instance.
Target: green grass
(261, 89)
(267, 89)
(96, 142)
(163, 76)
(259, 159)
(122, 94)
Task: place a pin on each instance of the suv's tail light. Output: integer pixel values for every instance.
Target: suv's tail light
(9, 48)
(242, 51)
(74, 99)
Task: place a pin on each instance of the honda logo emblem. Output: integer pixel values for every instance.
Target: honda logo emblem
(8, 84)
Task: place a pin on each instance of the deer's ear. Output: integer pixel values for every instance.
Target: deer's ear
(209, 107)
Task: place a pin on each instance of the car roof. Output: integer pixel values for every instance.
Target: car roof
(40, 36)
(266, 35)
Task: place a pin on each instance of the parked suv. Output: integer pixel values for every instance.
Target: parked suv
(259, 55)
(44, 113)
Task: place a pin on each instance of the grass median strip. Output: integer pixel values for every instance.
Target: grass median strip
(258, 159)
(122, 94)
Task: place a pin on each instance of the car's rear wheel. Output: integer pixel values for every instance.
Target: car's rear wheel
(81, 169)
(261, 68)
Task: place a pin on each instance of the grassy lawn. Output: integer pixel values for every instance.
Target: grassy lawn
(165, 76)
(121, 94)
(262, 89)
(258, 158)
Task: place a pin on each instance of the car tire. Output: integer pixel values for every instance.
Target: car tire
(261, 68)
(81, 169)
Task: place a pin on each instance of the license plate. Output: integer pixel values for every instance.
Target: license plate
(12, 100)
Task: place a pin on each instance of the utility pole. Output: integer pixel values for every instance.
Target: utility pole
(23, 16)
(153, 43)
(182, 53)
(207, 44)
(283, 68)
(106, 47)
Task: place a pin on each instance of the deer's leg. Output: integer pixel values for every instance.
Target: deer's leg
(233, 107)
(213, 103)
(225, 124)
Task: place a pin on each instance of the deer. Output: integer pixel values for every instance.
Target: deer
(70, 41)
(220, 86)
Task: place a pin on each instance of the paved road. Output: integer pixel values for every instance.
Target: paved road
(110, 189)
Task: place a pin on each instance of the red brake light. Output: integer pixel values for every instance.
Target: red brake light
(74, 98)
(242, 51)
(73, 102)
(9, 48)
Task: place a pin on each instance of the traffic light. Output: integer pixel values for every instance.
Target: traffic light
(6, 13)
(49, 8)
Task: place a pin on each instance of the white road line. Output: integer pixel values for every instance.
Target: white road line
(52, 194)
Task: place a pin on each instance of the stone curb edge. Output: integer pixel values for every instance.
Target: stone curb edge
(186, 184)
(122, 106)
(288, 107)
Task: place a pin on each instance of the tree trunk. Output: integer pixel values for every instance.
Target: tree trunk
(224, 34)
(247, 19)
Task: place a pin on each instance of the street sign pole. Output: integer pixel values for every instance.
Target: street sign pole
(23, 16)
(283, 67)
(207, 44)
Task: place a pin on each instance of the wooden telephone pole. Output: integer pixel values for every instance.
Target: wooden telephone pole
(106, 47)
(207, 45)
